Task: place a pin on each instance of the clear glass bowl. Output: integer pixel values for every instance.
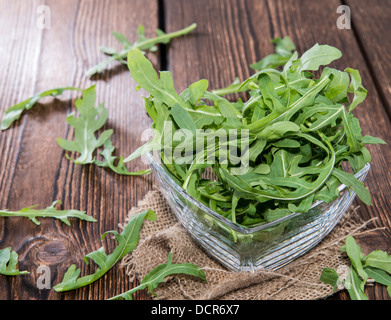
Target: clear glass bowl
(270, 245)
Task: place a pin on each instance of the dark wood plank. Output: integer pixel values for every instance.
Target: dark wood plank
(233, 34)
(33, 169)
(371, 25)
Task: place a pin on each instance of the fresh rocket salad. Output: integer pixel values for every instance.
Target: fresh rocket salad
(296, 130)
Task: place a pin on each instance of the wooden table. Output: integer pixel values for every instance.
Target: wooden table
(230, 36)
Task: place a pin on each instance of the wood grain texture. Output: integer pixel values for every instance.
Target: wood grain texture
(233, 34)
(371, 25)
(33, 168)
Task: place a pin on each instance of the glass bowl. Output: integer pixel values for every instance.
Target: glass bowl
(271, 245)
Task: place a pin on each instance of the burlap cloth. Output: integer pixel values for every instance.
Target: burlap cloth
(298, 280)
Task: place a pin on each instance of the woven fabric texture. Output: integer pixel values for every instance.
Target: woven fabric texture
(299, 280)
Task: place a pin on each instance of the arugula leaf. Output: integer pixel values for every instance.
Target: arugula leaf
(8, 262)
(142, 71)
(162, 90)
(356, 276)
(318, 55)
(379, 275)
(278, 130)
(142, 43)
(284, 114)
(195, 91)
(50, 211)
(183, 118)
(91, 120)
(331, 277)
(353, 250)
(13, 113)
(283, 51)
(356, 87)
(378, 259)
(109, 162)
(325, 115)
(157, 276)
(232, 88)
(127, 242)
(372, 140)
(147, 147)
(356, 185)
(337, 89)
(354, 285)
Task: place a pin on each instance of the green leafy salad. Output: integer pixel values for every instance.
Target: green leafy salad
(295, 132)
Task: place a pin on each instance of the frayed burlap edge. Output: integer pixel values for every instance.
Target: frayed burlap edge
(299, 280)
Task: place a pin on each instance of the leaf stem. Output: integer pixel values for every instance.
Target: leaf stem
(162, 38)
(142, 45)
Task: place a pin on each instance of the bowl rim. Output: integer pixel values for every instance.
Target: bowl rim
(233, 225)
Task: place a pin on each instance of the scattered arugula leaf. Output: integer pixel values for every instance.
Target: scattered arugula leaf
(331, 277)
(8, 262)
(354, 285)
(86, 143)
(379, 275)
(50, 211)
(14, 112)
(109, 162)
(143, 43)
(91, 120)
(353, 250)
(127, 242)
(376, 265)
(157, 276)
(378, 259)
